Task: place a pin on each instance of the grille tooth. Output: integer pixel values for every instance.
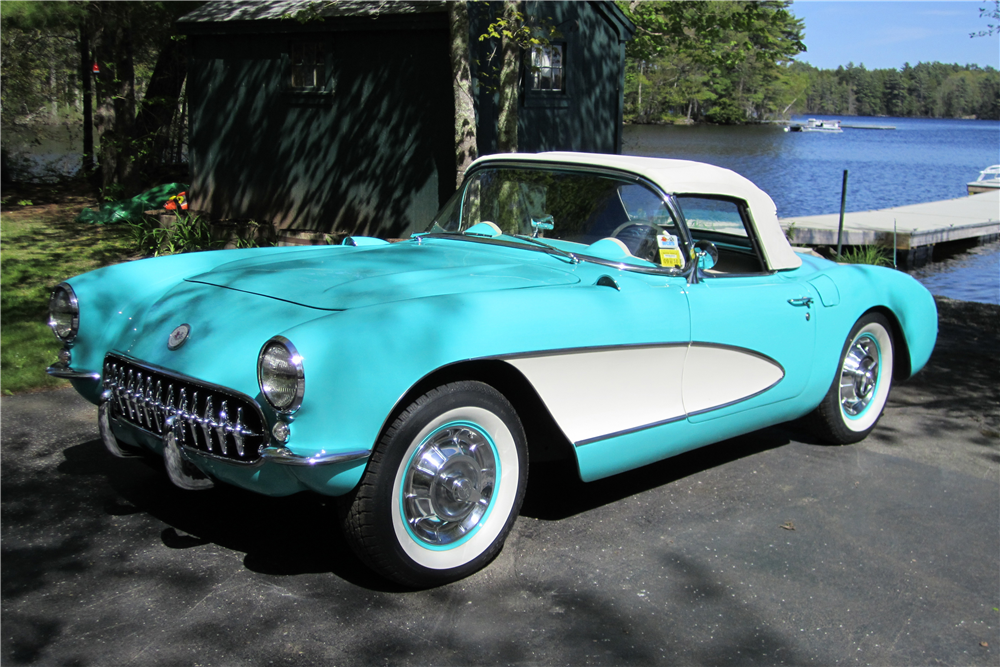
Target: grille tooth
(158, 406)
(192, 419)
(182, 404)
(206, 423)
(238, 433)
(129, 388)
(147, 398)
(143, 403)
(222, 427)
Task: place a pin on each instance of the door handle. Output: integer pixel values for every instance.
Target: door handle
(802, 301)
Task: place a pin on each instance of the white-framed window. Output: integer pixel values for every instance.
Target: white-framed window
(548, 68)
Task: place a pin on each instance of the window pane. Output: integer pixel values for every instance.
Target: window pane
(570, 206)
(308, 64)
(712, 215)
(547, 67)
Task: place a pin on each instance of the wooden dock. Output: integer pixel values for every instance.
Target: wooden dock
(918, 227)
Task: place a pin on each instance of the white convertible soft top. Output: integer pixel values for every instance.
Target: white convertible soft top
(686, 177)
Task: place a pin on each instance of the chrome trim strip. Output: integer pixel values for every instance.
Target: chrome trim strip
(630, 430)
(739, 400)
(61, 370)
(285, 456)
(582, 350)
(282, 456)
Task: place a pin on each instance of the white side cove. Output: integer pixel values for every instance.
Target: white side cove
(717, 376)
(593, 394)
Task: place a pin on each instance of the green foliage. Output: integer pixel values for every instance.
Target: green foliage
(723, 62)
(187, 233)
(42, 247)
(993, 14)
(927, 90)
(865, 254)
(730, 62)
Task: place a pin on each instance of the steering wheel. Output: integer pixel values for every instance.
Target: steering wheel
(639, 238)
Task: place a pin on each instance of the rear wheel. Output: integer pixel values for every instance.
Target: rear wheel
(442, 488)
(861, 387)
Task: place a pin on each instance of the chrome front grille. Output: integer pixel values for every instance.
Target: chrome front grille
(207, 417)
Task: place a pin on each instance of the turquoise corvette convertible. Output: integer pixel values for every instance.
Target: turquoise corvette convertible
(613, 310)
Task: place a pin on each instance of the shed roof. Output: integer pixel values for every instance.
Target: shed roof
(223, 11)
(240, 11)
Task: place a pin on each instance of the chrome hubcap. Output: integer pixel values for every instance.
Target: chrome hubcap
(449, 484)
(859, 376)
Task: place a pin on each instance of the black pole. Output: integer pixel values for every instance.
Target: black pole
(843, 201)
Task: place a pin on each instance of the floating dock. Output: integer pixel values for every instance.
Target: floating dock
(918, 227)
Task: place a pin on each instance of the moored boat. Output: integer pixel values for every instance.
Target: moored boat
(814, 125)
(989, 179)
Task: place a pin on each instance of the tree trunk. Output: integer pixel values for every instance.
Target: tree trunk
(158, 106)
(115, 117)
(509, 71)
(461, 81)
(88, 104)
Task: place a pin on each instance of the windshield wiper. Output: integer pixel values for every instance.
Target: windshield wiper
(558, 251)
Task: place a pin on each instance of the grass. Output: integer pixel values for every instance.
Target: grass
(40, 246)
(865, 254)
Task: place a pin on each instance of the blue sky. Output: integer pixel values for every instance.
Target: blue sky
(889, 34)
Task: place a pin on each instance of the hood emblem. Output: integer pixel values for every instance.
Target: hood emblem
(178, 336)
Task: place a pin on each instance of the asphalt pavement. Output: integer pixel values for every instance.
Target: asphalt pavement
(765, 549)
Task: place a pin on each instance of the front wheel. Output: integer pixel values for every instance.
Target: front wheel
(860, 390)
(442, 488)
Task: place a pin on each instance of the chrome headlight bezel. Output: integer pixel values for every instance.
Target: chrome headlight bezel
(69, 310)
(296, 379)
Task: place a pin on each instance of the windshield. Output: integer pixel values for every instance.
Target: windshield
(569, 206)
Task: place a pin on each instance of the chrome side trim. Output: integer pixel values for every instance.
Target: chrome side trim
(61, 370)
(627, 431)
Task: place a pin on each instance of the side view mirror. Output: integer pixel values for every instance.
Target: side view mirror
(707, 254)
(704, 256)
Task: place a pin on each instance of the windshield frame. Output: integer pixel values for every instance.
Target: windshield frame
(518, 241)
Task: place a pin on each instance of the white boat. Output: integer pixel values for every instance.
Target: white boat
(813, 125)
(989, 179)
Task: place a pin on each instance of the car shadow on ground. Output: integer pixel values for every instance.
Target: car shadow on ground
(555, 490)
(300, 534)
(280, 536)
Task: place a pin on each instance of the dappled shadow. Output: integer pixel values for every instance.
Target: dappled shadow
(586, 116)
(961, 382)
(281, 536)
(369, 153)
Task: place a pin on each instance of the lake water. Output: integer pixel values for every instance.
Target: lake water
(921, 160)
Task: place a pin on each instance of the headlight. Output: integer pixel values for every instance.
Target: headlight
(64, 313)
(280, 374)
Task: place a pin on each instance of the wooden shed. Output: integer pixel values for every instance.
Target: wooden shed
(338, 117)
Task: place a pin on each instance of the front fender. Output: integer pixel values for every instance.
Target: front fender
(360, 363)
(112, 300)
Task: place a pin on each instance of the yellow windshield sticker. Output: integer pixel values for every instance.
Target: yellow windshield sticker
(670, 253)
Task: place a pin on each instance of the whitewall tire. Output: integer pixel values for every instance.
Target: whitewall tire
(442, 488)
(860, 389)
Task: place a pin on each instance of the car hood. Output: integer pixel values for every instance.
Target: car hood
(339, 278)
